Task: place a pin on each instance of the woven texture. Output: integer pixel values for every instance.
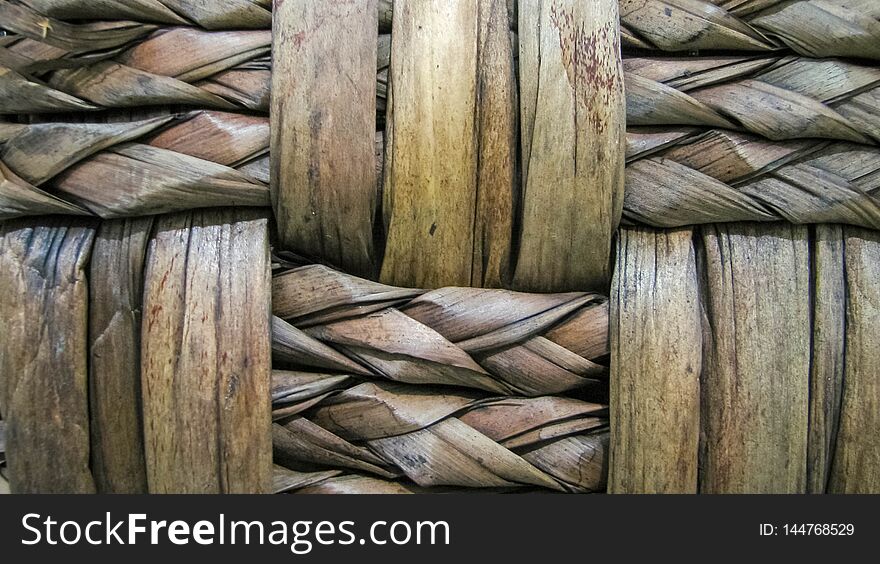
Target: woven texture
(736, 352)
(750, 336)
(398, 383)
(814, 28)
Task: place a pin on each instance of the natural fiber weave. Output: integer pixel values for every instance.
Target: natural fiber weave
(773, 97)
(674, 177)
(216, 14)
(498, 341)
(180, 65)
(392, 383)
(745, 343)
(437, 436)
(677, 177)
(136, 168)
(814, 28)
(740, 355)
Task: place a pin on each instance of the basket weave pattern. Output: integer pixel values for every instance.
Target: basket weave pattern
(734, 352)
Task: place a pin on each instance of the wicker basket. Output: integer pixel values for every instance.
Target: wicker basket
(456, 270)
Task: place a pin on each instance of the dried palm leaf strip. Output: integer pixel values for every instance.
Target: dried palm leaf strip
(499, 341)
(323, 168)
(216, 70)
(158, 165)
(678, 177)
(449, 170)
(828, 356)
(756, 358)
(813, 28)
(856, 464)
(438, 437)
(205, 353)
(44, 353)
(214, 14)
(115, 299)
(185, 66)
(572, 114)
(655, 363)
(774, 97)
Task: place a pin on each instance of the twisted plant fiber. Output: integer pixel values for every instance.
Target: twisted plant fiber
(162, 164)
(776, 97)
(47, 65)
(215, 14)
(138, 64)
(814, 28)
(379, 388)
(498, 341)
(339, 429)
(692, 176)
(675, 175)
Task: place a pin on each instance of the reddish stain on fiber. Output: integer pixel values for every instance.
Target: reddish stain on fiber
(154, 316)
(589, 58)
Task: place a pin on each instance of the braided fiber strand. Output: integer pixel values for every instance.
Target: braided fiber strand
(167, 163)
(814, 28)
(777, 98)
(433, 436)
(691, 176)
(675, 175)
(502, 342)
(213, 14)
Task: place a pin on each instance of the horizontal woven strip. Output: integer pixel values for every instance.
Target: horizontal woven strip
(675, 176)
(691, 176)
(774, 97)
(668, 25)
(222, 70)
(216, 14)
(435, 436)
(815, 28)
(135, 168)
(502, 342)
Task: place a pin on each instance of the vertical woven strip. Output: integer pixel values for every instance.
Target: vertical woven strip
(206, 354)
(115, 299)
(43, 353)
(655, 360)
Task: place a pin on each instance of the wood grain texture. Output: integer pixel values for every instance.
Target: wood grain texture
(323, 113)
(856, 466)
(827, 368)
(205, 356)
(43, 353)
(756, 358)
(655, 364)
(431, 142)
(573, 124)
(115, 299)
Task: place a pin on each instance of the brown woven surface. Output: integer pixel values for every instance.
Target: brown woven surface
(815, 28)
(675, 176)
(742, 348)
(498, 341)
(742, 354)
(688, 176)
(216, 14)
(773, 97)
(450, 387)
(437, 437)
(134, 168)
